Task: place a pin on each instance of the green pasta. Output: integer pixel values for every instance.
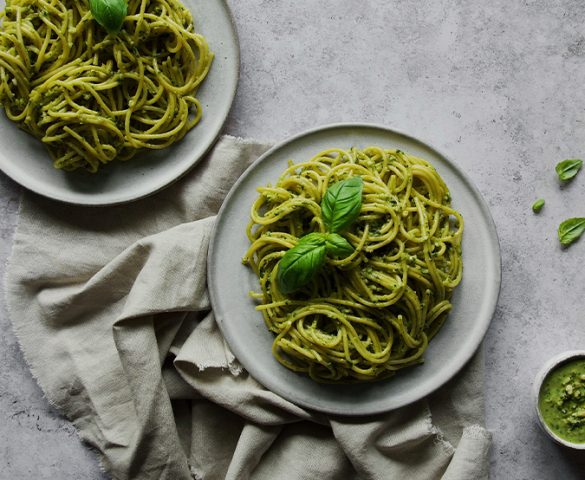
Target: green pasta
(372, 313)
(92, 97)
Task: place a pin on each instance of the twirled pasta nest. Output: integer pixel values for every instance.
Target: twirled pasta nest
(367, 315)
(92, 97)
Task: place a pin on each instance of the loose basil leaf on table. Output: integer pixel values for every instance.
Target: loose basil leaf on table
(567, 169)
(300, 264)
(109, 14)
(570, 230)
(537, 206)
(337, 246)
(341, 204)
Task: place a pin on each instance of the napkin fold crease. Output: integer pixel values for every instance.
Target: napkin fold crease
(112, 312)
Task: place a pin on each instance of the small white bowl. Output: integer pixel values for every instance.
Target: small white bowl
(553, 363)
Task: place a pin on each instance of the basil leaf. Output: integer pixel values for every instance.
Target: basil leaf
(537, 206)
(300, 264)
(337, 246)
(567, 169)
(109, 14)
(571, 229)
(341, 204)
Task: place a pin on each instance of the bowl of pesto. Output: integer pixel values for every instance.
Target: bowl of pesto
(559, 392)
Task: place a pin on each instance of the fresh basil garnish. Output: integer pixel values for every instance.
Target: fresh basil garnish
(337, 246)
(567, 169)
(537, 206)
(340, 207)
(570, 230)
(109, 14)
(300, 264)
(341, 204)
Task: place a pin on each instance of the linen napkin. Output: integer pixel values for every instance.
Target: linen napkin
(112, 312)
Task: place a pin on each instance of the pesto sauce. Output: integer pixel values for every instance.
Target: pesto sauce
(562, 401)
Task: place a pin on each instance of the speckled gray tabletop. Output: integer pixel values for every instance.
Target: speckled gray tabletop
(498, 86)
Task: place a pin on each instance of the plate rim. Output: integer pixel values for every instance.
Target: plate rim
(89, 201)
(490, 224)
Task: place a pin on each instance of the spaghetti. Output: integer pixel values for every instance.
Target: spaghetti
(92, 97)
(367, 315)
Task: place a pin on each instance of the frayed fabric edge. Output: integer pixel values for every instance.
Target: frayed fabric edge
(477, 432)
(439, 440)
(229, 362)
(234, 367)
(247, 141)
(195, 475)
(437, 434)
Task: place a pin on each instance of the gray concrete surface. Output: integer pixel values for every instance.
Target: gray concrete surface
(498, 86)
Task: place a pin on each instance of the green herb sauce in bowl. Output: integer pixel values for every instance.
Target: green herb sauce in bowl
(560, 399)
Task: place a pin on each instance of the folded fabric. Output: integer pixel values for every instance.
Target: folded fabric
(112, 312)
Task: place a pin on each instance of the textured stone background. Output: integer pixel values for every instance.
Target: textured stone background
(498, 86)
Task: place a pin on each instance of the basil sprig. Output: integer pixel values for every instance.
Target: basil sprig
(340, 207)
(300, 263)
(570, 230)
(341, 204)
(109, 14)
(337, 246)
(567, 169)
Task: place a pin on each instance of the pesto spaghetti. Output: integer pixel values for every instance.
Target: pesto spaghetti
(92, 97)
(371, 309)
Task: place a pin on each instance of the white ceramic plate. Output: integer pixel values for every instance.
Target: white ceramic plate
(474, 301)
(25, 159)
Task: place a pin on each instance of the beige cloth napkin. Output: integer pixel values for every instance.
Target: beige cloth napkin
(112, 312)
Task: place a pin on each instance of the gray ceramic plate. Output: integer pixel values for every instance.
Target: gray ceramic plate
(474, 301)
(25, 160)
